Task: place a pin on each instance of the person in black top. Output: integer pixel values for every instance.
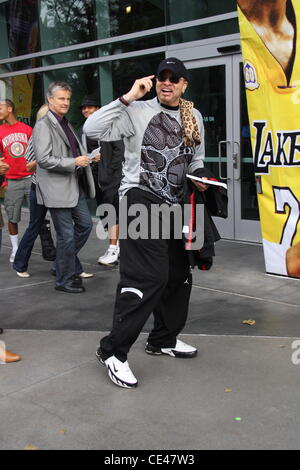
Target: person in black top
(107, 175)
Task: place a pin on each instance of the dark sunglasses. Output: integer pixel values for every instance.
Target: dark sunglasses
(162, 78)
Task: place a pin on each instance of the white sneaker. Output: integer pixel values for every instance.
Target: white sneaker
(111, 256)
(181, 349)
(120, 373)
(84, 275)
(12, 256)
(25, 274)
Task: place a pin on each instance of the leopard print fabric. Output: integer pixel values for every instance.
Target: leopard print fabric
(190, 130)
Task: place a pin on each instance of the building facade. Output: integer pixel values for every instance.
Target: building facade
(101, 46)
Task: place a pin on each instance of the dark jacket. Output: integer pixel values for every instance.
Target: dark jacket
(108, 171)
(215, 202)
(110, 164)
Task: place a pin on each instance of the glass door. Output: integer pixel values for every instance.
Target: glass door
(217, 90)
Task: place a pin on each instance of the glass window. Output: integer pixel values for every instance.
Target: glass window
(207, 89)
(20, 65)
(63, 23)
(189, 10)
(73, 22)
(71, 56)
(29, 26)
(4, 35)
(146, 42)
(108, 81)
(119, 47)
(19, 29)
(210, 30)
(115, 17)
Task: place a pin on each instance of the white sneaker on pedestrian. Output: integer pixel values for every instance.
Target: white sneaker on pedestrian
(12, 256)
(25, 274)
(181, 349)
(111, 256)
(84, 275)
(120, 373)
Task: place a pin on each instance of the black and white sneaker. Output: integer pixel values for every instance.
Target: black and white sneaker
(181, 350)
(118, 372)
(99, 356)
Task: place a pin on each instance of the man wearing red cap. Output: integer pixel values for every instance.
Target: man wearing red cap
(164, 139)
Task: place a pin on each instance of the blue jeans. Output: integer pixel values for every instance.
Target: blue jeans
(73, 227)
(37, 217)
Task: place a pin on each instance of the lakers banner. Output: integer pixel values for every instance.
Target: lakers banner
(271, 64)
(22, 96)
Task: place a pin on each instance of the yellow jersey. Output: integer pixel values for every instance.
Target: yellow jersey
(274, 117)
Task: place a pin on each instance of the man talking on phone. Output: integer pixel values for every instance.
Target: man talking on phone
(164, 139)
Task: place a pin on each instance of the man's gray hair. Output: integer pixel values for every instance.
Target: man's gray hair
(54, 86)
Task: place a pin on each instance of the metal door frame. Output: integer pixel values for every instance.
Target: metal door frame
(225, 226)
(234, 227)
(248, 230)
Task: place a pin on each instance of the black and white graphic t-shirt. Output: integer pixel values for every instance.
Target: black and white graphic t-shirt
(156, 159)
(164, 158)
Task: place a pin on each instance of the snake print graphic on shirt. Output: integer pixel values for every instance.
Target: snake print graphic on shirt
(164, 158)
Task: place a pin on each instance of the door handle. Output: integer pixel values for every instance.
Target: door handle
(236, 159)
(220, 143)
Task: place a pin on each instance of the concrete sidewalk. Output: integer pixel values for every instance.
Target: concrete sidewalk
(59, 396)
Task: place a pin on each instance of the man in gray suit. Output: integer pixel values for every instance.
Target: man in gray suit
(64, 180)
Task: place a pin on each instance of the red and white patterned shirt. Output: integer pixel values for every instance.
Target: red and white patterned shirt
(13, 144)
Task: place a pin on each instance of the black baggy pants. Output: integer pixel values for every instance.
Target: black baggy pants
(154, 278)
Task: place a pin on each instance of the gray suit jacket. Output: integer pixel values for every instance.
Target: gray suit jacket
(57, 185)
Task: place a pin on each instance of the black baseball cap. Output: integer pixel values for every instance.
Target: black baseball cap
(90, 100)
(175, 65)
